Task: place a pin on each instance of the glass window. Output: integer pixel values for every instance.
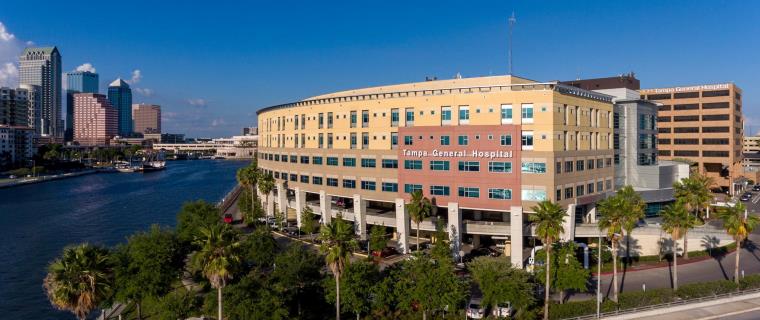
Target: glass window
(409, 188)
(469, 192)
(590, 188)
(445, 115)
(463, 140)
(469, 166)
(390, 187)
(368, 185)
(349, 162)
(316, 160)
(305, 159)
(394, 140)
(527, 140)
(500, 166)
(506, 113)
(369, 163)
(293, 177)
(332, 161)
(321, 140)
(579, 191)
(464, 114)
(365, 118)
(316, 180)
(413, 164)
(352, 140)
(329, 141)
(321, 121)
(349, 183)
(579, 165)
(293, 159)
(394, 117)
(304, 179)
(500, 194)
(526, 113)
(332, 182)
(533, 195)
(445, 141)
(353, 119)
(505, 140)
(439, 165)
(568, 192)
(329, 119)
(390, 163)
(365, 140)
(409, 117)
(533, 167)
(408, 140)
(440, 190)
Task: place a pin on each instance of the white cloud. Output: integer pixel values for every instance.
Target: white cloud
(218, 122)
(197, 102)
(5, 35)
(136, 77)
(8, 74)
(145, 92)
(86, 67)
(10, 48)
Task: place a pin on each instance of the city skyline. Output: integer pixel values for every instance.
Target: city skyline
(265, 63)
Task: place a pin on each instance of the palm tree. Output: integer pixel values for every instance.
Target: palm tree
(248, 177)
(419, 208)
(266, 185)
(218, 258)
(337, 244)
(676, 220)
(80, 279)
(695, 190)
(632, 214)
(547, 217)
(739, 224)
(613, 218)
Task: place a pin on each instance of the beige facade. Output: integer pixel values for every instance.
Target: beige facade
(703, 124)
(146, 118)
(95, 120)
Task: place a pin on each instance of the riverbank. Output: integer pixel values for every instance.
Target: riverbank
(8, 183)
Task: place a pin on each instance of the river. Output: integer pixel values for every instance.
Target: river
(37, 221)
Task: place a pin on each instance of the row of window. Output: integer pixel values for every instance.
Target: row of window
(693, 130)
(687, 95)
(705, 117)
(330, 161)
(705, 141)
(582, 165)
(693, 153)
(583, 189)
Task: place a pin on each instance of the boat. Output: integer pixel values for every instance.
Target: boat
(154, 161)
(126, 167)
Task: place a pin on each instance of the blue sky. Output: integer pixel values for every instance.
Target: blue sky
(211, 66)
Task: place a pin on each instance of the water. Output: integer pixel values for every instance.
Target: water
(37, 221)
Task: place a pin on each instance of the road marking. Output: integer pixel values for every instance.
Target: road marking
(756, 199)
(730, 314)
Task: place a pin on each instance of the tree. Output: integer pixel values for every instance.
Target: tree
(423, 284)
(500, 282)
(218, 258)
(297, 279)
(613, 218)
(247, 177)
(260, 248)
(357, 287)
(567, 272)
(633, 213)
(147, 265)
(419, 208)
(377, 238)
(695, 190)
(676, 220)
(193, 216)
(547, 217)
(739, 224)
(337, 244)
(442, 246)
(253, 297)
(251, 211)
(266, 185)
(179, 304)
(80, 280)
(309, 223)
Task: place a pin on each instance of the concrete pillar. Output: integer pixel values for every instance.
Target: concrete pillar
(455, 227)
(282, 199)
(592, 213)
(270, 204)
(569, 224)
(300, 205)
(707, 212)
(516, 236)
(325, 206)
(475, 241)
(402, 226)
(360, 216)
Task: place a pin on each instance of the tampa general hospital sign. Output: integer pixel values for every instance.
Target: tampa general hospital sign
(435, 153)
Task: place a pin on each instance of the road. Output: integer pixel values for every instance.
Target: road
(732, 308)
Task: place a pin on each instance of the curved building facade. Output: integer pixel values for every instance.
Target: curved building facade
(484, 150)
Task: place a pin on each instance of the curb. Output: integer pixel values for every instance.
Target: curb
(663, 265)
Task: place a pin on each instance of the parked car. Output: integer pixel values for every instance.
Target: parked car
(475, 309)
(12, 177)
(756, 187)
(292, 231)
(228, 218)
(386, 252)
(746, 197)
(502, 310)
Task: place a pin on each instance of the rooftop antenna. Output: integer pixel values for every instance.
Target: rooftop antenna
(512, 22)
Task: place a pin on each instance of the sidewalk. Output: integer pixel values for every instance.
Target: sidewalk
(748, 304)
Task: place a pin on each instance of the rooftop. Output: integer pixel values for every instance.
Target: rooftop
(119, 83)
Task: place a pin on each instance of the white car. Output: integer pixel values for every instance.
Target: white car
(502, 310)
(475, 310)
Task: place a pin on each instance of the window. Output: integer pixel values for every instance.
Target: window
(714, 129)
(568, 193)
(714, 117)
(533, 167)
(394, 117)
(353, 119)
(368, 185)
(321, 121)
(715, 105)
(686, 153)
(663, 130)
(293, 177)
(408, 140)
(409, 117)
(599, 186)
(505, 140)
(506, 113)
(590, 188)
(686, 141)
(569, 166)
(658, 96)
(365, 118)
(349, 183)
(464, 114)
(685, 118)
(445, 140)
(394, 140)
(664, 107)
(439, 165)
(329, 141)
(558, 195)
(305, 159)
(353, 140)
(684, 95)
(463, 140)
(445, 115)
(590, 164)
(365, 140)
(599, 163)
(469, 166)
(527, 140)
(332, 182)
(316, 180)
(440, 190)
(390, 163)
(714, 141)
(409, 188)
(533, 195)
(329, 120)
(304, 179)
(500, 167)
(316, 160)
(663, 119)
(718, 93)
(349, 162)
(303, 121)
(332, 161)
(526, 113)
(293, 159)
(469, 192)
(715, 154)
(690, 106)
(369, 163)
(579, 190)
(321, 140)
(413, 164)
(579, 165)
(390, 187)
(500, 194)
(686, 130)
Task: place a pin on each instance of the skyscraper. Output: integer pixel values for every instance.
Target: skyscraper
(120, 96)
(95, 120)
(42, 67)
(77, 82)
(147, 118)
(34, 107)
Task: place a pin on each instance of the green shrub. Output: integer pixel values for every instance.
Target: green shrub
(705, 289)
(637, 299)
(750, 282)
(21, 172)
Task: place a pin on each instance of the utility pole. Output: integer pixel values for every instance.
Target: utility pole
(512, 22)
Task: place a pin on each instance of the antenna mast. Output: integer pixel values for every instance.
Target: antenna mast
(512, 22)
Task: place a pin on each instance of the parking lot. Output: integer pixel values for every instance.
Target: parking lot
(753, 201)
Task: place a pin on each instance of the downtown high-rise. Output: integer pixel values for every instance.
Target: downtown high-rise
(77, 82)
(146, 118)
(120, 96)
(95, 120)
(42, 67)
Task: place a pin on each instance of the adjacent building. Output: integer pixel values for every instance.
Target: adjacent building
(120, 96)
(77, 82)
(146, 118)
(42, 67)
(250, 131)
(95, 120)
(702, 124)
(16, 136)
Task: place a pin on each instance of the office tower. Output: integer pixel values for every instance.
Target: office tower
(42, 67)
(95, 120)
(702, 124)
(146, 118)
(15, 134)
(77, 82)
(34, 106)
(13, 107)
(120, 96)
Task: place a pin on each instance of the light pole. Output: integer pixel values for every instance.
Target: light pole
(599, 276)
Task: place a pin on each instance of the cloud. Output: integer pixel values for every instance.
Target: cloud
(86, 67)
(8, 74)
(145, 92)
(136, 77)
(10, 48)
(5, 35)
(197, 102)
(218, 122)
